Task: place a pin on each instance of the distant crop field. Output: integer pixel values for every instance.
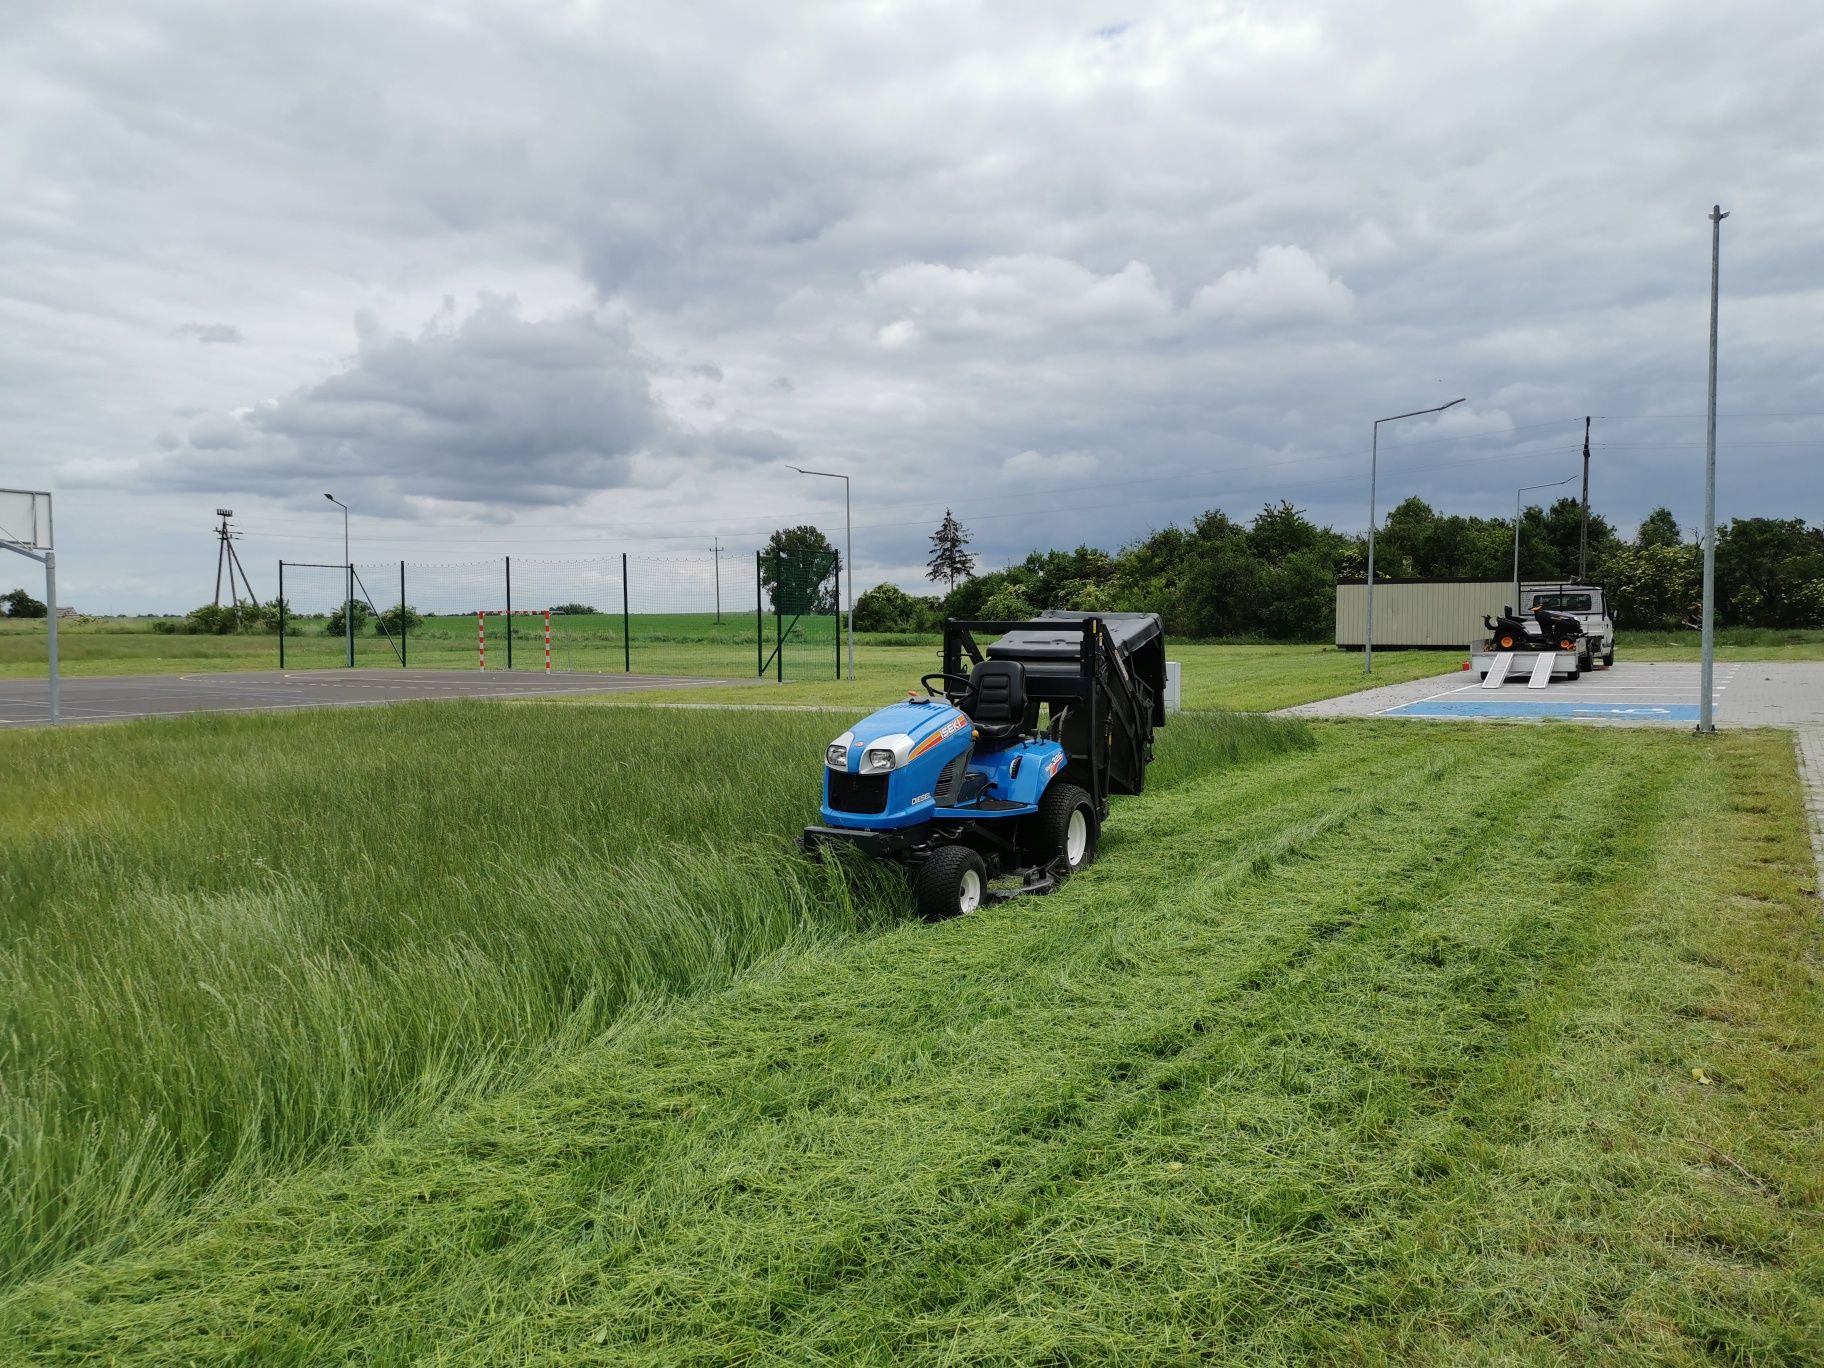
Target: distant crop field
(488, 1033)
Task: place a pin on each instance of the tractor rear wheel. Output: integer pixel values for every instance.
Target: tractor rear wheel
(953, 881)
(1064, 830)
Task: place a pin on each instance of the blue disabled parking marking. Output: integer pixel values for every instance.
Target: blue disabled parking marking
(1541, 707)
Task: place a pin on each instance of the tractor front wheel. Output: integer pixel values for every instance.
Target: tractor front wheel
(1064, 830)
(953, 881)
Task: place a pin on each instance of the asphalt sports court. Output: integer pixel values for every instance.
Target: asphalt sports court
(26, 702)
(1744, 694)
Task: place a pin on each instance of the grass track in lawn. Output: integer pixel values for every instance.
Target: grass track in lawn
(1326, 1059)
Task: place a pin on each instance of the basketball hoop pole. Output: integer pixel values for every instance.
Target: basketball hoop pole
(48, 559)
(37, 547)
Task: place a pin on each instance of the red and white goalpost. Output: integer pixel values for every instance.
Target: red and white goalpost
(481, 631)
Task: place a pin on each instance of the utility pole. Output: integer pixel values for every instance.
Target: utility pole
(1705, 722)
(227, 559)
(1583, 537)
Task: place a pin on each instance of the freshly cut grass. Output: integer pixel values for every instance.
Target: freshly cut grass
(228, 944)
(1343, 1055)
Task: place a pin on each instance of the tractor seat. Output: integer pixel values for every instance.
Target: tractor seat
(997, 699)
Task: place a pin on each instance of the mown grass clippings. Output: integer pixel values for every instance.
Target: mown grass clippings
(1291, 1075)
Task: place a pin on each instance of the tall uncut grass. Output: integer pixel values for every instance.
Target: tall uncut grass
(228, 944)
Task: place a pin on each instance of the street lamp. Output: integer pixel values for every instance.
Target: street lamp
(1374, 459)
(1549, 484)
(348, 571)
(848, 554)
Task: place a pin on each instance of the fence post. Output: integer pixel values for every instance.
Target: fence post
(626, 641)
(838, 619)
(404, 626)
(759, 622)
(281, 613)
(348, 613)
(509, 612)
(778, 618)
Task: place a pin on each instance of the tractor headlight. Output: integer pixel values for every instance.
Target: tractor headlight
(837, 756)
(877, 760)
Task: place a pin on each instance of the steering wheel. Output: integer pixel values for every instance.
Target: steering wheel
(963, 681)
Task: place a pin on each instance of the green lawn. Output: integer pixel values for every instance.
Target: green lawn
(1331, 1057)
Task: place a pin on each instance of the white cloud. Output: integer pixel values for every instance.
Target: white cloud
(1285, 284)
(1038, 465)
(1015, 297)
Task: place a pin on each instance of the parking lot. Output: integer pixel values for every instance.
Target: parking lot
(26, 702)
(1745, 694)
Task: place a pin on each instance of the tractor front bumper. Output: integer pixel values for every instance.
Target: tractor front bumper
(883, 844)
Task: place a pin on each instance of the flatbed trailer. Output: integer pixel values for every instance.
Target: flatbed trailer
(1495, 667)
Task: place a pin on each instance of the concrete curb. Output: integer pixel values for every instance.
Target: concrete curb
(1809, 739)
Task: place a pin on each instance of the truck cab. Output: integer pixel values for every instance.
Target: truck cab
(1583, 602)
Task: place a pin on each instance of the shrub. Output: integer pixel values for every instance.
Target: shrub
(336, 627)
(393, 620)
(888, 608)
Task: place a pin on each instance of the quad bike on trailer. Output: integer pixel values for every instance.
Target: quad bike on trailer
(970, 788)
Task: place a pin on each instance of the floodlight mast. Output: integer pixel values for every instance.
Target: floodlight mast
(348, 598)
(1374, 458)
(1549, 484)
(848, 554)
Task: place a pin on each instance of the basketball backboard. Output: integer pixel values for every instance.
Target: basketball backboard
(25, 518)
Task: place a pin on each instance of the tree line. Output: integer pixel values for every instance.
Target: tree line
(1274, 576)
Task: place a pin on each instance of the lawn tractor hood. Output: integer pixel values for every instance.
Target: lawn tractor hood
(889, 768)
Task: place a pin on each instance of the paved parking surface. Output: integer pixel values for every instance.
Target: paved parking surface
(25, 702)
(1744, 694)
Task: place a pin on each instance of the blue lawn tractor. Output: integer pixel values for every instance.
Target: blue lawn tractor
(970, 788)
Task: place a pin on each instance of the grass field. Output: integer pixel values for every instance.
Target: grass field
(661, 643)
(1255, 677)
(1322, 1060)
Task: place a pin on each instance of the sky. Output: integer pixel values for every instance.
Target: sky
(570, 280)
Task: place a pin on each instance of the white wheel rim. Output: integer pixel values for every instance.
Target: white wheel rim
(1076, 838)
(969, 895)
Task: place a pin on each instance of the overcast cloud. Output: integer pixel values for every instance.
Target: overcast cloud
(573, 279)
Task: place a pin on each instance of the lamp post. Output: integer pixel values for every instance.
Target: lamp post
(848, 554)
(348, 585)
(1706, 723)
(1374, 460)
(1549, 484)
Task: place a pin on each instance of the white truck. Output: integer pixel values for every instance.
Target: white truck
(1557, 632)
(1583, 602)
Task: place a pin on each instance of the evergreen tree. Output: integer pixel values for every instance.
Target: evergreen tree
(950, 558)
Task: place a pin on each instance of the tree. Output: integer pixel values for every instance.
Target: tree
(950, 560)
(574, 610)
(1658, 528)
(1766, 570)
(20, 604)
(1652, 586)
(1007, 604)
(798, 570)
